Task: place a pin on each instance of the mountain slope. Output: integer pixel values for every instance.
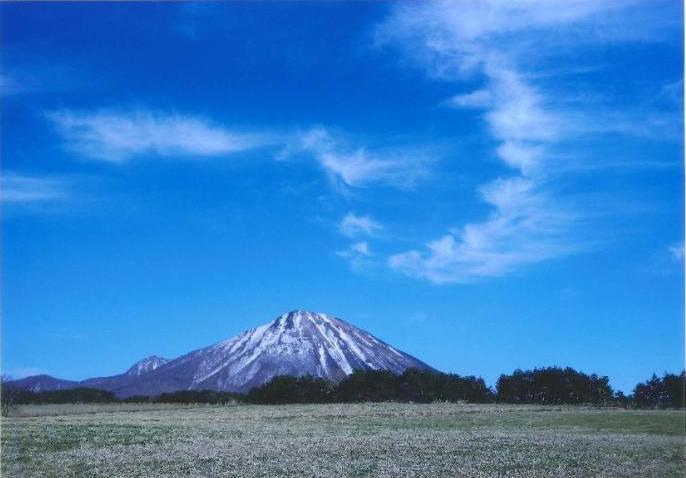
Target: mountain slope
(297, 343)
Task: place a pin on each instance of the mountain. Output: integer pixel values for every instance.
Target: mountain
(146, 365)
(297, 343)
(40, 383)
(139, 369)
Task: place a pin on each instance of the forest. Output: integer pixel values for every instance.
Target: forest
(550, 385)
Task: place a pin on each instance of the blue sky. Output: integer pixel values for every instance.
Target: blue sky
(487, 186)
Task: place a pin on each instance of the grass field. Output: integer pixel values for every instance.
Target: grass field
(341, 440)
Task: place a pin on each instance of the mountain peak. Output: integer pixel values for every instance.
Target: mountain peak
(304, 313)
(296, 317)
(146, 365)
(298, 342)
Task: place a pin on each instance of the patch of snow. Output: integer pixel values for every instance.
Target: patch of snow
(335, 351)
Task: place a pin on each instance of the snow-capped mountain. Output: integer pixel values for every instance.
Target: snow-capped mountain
(146, 365)
(297, 343)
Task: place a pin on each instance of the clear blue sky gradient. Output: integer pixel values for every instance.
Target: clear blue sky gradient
(114, 250)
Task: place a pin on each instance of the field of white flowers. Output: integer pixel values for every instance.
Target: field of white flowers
(341, 440)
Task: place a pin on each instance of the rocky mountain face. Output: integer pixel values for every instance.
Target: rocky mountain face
(297, 343)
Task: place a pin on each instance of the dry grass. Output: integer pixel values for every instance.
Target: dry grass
(25, 411)
(343, 440)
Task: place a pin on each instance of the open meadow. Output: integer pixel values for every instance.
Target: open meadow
(341, 440)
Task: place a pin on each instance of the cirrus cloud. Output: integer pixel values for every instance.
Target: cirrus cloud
(358, 255)
(486, 42)
(117, 137)
(350, 166)
(353, 225)
(18, 188)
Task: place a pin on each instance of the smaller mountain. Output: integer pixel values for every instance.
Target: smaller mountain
(43, 383)
(138, 370)
(40, 383)
(146, 365)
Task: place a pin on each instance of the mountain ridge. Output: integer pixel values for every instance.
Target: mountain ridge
(295, 343)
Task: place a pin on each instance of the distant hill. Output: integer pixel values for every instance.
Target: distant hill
(40, 383)
(297, 343)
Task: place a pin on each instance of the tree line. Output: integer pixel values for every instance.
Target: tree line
(374, 386)
(551, 385)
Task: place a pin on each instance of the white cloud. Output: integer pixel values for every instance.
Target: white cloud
(117, 137)
(353, 225)
(677, 251)
(518, 112)
(482, 40)
(358, 255)
(357, 167)
(21, 189)
(523, 228)
(451, 39)
(361, 248)
(475, 99)
(521, 156)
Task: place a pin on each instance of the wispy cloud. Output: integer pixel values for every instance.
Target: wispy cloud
(353, 225)
(121, 136)
(475, 99)
(358, 255)
(677, 251)
(26, 189)
(349, 166)
(523, 228)
(118, 137)
(450, 39)
(483, 40)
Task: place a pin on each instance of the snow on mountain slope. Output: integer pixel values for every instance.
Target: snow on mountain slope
(146, 365)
